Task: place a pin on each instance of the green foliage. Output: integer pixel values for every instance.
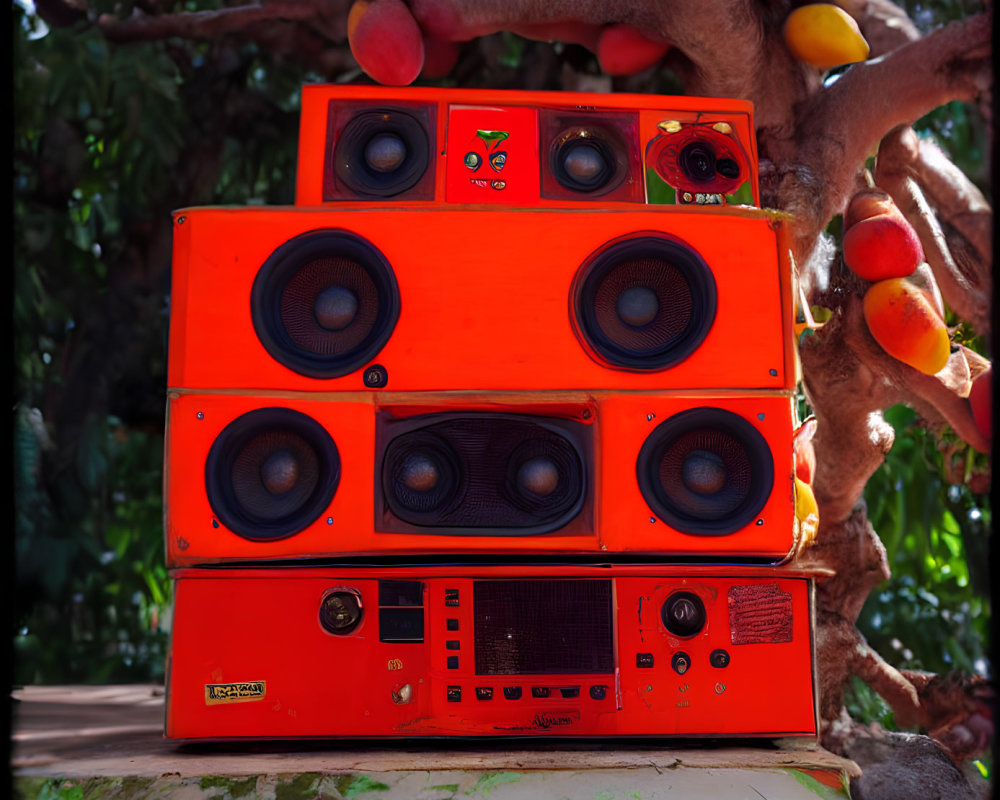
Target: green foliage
(934, 612)
(108, 139)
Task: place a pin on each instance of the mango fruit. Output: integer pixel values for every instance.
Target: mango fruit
(882, 246)
(386, 41)
(906, 325)
(824, 35)
(806, 511)
(869, 203)
(623, 50)
(981, 400)
(805, 454)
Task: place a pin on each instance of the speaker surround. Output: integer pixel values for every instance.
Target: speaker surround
(271, 473)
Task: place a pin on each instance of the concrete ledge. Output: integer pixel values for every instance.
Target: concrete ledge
(77, 743)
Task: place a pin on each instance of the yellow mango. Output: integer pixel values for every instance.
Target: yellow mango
(806, 511)
(824, 35)
(906, 324)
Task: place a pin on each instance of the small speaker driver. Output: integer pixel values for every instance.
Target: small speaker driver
(381, 152)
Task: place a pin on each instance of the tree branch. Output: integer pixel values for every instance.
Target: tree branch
(843, 124)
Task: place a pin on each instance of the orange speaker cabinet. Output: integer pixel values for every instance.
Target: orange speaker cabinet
(517, 148)
(408, 299)
(697, 475)
(490, 651)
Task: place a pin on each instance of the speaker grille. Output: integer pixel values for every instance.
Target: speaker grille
(543, 627)
(644, 302)
(477, 473)
(325, 303)
(271, 473)
(706, 471)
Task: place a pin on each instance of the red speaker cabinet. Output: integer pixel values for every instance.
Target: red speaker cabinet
(316, 476)
(491, 651)
(525, 149)
(360, 297)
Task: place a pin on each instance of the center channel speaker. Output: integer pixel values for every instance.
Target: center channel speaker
(686, 475)
(400, 298)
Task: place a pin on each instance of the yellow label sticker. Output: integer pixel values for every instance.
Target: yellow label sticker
(246, 692)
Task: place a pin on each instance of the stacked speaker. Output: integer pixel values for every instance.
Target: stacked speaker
(491, 432)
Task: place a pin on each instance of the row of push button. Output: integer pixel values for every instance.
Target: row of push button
(597, 692)
(451, 600)
(681, 661)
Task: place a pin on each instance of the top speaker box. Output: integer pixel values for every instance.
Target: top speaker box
(527, 149)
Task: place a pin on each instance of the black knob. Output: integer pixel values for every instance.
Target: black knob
(718, 658)
(340, 612)
(683, 614)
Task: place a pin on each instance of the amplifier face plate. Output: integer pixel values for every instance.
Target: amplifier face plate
(490, 651)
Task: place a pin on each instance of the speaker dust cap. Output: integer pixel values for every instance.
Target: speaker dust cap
(706, 471)
(644, 302)
(271, 473)
(325, 303)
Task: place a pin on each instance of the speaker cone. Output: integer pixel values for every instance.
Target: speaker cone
(325, 303)
(271, 473)
(381, 152)
(706, 471)
(644, 302)
(422, 476)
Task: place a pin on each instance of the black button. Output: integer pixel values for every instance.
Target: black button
(484, 692)
(453, 644)
(451, 624)
(454, 694)
(452, 662)
(719, 658)
(598, 692)
(512, 692)
(539, 691)
(570, 691)
(681, 662)
(644, 660)
(451, 597)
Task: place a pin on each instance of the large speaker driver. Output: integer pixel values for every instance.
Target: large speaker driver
(325, 303)
(644, 302)
(706, 471)
(270, 473)
(381, 152)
